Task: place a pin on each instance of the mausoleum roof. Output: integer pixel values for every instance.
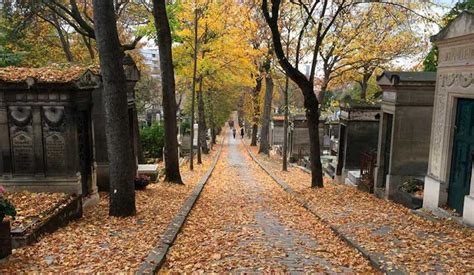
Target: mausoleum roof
(51, 74)
(462, 25)
(394, 78)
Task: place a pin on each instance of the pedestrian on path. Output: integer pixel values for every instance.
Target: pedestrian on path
(233, 132)
(242, 133)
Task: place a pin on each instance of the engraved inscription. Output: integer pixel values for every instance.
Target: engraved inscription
(21, 132)
(23, 154)
(54, 141)
(55, 147)
(457, 54)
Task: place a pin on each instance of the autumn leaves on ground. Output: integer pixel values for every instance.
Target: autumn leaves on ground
(244, 222)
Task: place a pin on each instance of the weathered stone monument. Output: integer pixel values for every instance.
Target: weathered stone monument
(46, 130)
(404, 133)
(277, 130)
(449, 180)
(299, 137)
(52, 130)
(358, 135)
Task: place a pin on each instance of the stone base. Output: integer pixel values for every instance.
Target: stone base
(70, 185)
(91, 200)
(5, 239)
(468, 212)
(435, 193)
(103, 176)
(392, 186)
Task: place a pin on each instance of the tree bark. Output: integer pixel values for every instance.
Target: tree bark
(364, 84)
(87, 42)
(119, 145)
(285, 127)
(64, 41)
(306, 85)
(267, 112)
(172, 173)
(256, 110)
(312, 115)
(211, 117)
(193, 94)
(202, 126)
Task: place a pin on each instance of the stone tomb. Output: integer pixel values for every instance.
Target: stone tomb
(450, 180)
(358, 135)
(404, 133)
(52, 134)
(277, 130)
(299, 137)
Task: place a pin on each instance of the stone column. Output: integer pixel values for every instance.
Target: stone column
(5, 155)
(468, 215)
(38, 142)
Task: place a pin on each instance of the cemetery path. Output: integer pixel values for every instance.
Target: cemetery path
(404, 240)
(243, 222)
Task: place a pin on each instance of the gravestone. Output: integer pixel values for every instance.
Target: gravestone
(277, 131)
(404, 133)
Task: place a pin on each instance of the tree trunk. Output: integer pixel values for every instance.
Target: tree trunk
(169, 92)
(64, 41)
(267, 112)
(193, 93)
(364, 84)
(256, 110)
(87, 42)
(211, 117)
(312, 115)
(119, 145)
(202, 122)
(285, 127)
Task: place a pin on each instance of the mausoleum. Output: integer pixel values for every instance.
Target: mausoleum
(449, 180)
(358, 137)
(404, 133)
(52, 129)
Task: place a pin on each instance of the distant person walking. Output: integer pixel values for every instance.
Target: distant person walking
(242, 133)
(233, 132)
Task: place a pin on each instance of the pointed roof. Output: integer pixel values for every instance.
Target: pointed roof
(462, 25)
(395, 78)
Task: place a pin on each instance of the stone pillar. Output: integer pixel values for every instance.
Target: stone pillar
(468, 215)
(5, 155)
(38, 142)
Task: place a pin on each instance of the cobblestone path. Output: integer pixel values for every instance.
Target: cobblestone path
(244, 222)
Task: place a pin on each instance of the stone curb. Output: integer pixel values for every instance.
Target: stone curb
(376, 260)
(156, 257)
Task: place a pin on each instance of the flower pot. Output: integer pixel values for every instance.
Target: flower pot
(5, 239)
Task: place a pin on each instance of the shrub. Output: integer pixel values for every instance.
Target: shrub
(153, 140)
(185, 127)
(6, 207)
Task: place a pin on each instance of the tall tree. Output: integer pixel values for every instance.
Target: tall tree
(267, 110)
(168, 90)
(119, 146)
(304, 83)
